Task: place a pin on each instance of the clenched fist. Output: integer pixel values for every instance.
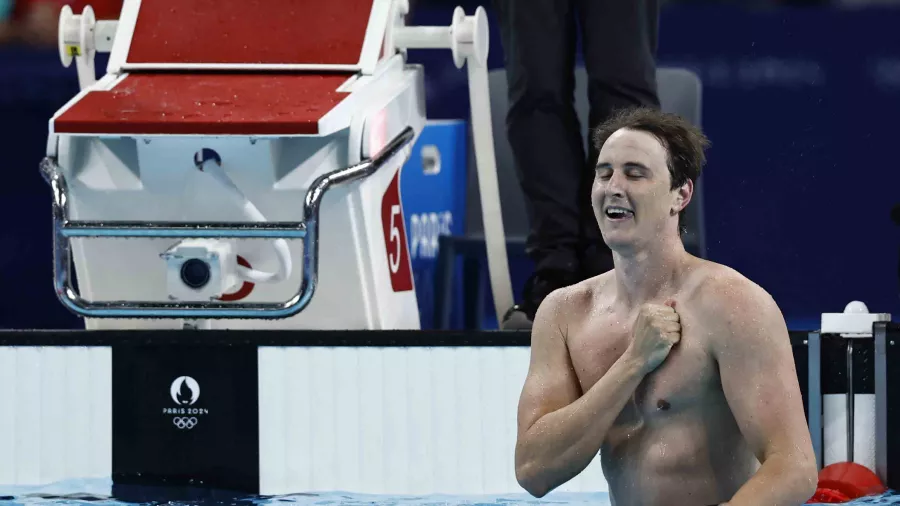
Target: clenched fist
(656, 331)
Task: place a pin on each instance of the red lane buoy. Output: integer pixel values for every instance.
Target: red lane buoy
(827, 496)
(845, 481)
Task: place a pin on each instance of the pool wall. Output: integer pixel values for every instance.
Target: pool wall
(276, 412)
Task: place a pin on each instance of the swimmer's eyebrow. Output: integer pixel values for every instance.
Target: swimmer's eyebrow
(627, 165)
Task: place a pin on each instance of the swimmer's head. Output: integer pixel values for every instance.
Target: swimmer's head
(645, 174)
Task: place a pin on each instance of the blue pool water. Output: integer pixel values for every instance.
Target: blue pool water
(97, 493)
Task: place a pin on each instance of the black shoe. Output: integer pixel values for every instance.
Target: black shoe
(516, 319)
(537, 288)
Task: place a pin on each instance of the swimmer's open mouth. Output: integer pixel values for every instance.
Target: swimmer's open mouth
(616, 213)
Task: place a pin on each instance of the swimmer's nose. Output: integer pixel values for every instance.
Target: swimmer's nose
(615, 195)
(614, 186)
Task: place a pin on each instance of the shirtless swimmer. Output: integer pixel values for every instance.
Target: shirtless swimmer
(677, 370)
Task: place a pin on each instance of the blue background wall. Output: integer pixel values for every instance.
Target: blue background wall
(800, 105)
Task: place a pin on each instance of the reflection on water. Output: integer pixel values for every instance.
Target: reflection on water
(99, 493)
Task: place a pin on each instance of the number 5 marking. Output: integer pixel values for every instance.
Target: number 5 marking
(394, 257)
(392, 231)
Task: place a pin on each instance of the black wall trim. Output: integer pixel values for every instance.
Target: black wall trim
(335, 338)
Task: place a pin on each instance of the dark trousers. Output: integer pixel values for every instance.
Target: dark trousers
(619, 39)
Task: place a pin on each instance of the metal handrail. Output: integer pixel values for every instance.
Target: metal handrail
(307, 230)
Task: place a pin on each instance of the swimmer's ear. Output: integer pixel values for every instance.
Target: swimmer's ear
(683, 198)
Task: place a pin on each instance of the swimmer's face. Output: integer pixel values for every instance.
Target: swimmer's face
(632, 195)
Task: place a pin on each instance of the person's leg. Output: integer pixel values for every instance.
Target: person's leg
(619, 40)
(539, 39)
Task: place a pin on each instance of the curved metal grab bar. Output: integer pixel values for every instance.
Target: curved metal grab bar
(307, 230)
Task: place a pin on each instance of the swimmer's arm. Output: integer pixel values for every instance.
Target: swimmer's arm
(561, 430)
(759, 378)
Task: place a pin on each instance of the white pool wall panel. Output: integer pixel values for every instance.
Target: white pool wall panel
(56, 422)
(386, 420)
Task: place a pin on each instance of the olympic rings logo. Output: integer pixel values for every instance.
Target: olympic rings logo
(185, 422)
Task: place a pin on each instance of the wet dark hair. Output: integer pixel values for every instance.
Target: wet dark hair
(685, 143)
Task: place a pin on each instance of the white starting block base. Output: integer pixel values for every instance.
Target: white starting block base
(152, 179)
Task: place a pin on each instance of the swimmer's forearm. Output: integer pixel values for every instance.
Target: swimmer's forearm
(561, 444)
(779, 481)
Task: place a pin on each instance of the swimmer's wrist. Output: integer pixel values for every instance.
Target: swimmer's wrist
(635, 364)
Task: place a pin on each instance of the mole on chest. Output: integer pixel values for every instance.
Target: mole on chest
(683, 377)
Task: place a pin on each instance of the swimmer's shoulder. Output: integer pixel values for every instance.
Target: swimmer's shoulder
(721, 293)
(571, 304)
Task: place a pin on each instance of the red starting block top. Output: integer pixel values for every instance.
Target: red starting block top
(219, 67)
(206, 104)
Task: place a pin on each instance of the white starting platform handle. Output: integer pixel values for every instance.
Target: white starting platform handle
(81, 37)
(468, 38)
(307, 230)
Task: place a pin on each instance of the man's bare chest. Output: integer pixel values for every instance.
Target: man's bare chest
(687, 377)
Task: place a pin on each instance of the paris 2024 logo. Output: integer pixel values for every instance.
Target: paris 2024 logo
(185, 392)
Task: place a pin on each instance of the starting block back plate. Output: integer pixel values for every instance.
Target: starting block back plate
(250, 34)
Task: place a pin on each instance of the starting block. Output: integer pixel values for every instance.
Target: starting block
(237, 166)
